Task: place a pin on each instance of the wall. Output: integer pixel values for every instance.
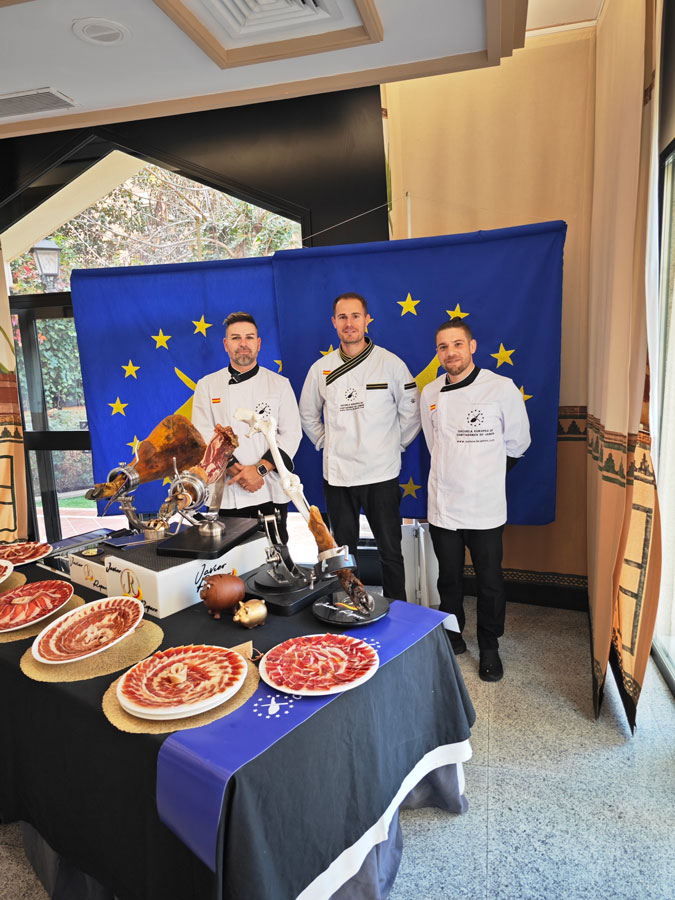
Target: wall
(507, 146)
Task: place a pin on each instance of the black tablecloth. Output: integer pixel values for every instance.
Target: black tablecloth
(89, 789)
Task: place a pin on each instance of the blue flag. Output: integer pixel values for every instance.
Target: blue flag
(507, 284)
(146, 335)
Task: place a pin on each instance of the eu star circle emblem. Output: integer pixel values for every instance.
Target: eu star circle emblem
(475, 418)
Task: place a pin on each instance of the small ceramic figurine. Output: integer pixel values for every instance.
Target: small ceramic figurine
(251, 613)
(220, 592)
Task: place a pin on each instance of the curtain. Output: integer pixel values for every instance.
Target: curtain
(13, 506)
(624, 550)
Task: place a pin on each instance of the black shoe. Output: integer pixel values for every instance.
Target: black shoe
(490, 668)
(458, 643)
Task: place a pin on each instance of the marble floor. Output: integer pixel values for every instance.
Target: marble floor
(561, 806)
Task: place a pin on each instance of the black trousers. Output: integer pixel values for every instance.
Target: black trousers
(267, 509)
(380, 502)
(485, 547)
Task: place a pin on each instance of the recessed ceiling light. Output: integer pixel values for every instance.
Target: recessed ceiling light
(103, 32)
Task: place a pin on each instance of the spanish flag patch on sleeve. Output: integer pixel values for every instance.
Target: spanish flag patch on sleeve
(433, 406)
(215, 399)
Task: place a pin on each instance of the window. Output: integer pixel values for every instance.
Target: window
(155, 217)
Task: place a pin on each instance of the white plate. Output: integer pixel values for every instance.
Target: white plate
(308, 692)
(9, 568)
(39, 551)
(35, 586)
(80, 613)
(180, 710)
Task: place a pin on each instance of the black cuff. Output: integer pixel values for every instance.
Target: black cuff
(288, 462)
(233, 460)
(510, 462)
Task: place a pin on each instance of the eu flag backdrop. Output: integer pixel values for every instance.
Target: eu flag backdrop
(508, 285)
(147, 334)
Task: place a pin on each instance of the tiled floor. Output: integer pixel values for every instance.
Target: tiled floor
(561, 806)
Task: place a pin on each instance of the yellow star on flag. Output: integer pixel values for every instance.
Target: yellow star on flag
(326, 352)
(130, 369)
(408, 305)
(456, 313)
(166, 481)
(525, 396)
(134, 444)
(410, 488)
(369, 323)
(118, 407)
(161, 339)
(279, 363)
(200, 326)
(503, 356)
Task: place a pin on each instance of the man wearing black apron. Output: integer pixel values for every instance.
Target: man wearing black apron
(360, 405)
(476, 426)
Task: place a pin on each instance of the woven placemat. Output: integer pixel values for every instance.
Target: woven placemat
(126, 722)
(31, 631)
(15, 580)
(144, 641)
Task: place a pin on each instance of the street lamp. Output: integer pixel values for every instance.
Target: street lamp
(46, 254)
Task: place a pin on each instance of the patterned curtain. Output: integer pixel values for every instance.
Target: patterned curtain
(624, 547)
(13, 509)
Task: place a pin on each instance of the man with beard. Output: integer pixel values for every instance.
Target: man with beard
(476, 427)
(252, 486)
(360, 405)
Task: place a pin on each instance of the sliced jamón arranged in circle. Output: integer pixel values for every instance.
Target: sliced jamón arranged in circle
(182, 676)
(89, 629)
(24, 552)
(32, 602)
(319, 663)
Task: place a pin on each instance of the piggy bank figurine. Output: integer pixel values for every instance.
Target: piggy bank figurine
(220, 592)
(251, 613)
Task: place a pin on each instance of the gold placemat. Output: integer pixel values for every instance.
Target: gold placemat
(144, 641)
(30, 631)
(15, 580)
(126, 722)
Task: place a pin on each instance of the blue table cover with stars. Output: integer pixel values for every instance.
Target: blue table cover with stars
(194, 766)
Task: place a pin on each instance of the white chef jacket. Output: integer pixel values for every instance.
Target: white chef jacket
(362, 412)
(214, 403)
(470, 429)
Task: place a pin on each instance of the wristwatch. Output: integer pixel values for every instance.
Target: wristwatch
(261, 469)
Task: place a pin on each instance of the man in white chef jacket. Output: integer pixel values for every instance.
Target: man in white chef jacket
(252, 484)
(476, 426)
(360, 405)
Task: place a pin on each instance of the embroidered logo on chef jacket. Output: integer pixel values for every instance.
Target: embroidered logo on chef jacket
(478, 428)
(353, 398)
(264, 409)
(215, 399)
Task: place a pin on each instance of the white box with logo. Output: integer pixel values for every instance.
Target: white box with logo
(177, 583)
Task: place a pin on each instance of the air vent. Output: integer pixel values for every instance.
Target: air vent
(26, 103)
(244, 18)
(100, 31)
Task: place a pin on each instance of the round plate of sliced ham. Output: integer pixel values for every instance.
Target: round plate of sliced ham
(319, 664)
(181, 682)
(6, 569)
(32, 602)
(24, 552)
(87, 630)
